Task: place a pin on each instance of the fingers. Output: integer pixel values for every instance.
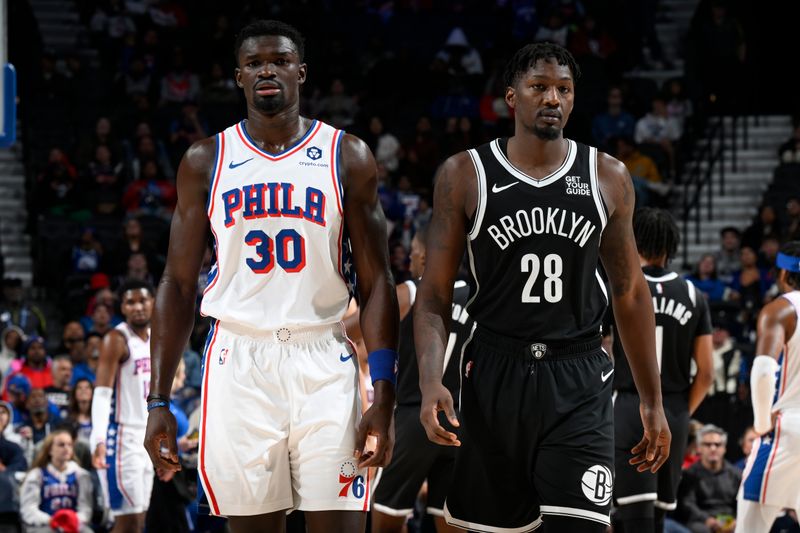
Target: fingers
(449, 410)
(382, 454)
(436, 433)
(162, 454)
(642, 458)
(361, 438)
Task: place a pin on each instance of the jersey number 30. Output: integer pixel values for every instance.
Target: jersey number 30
(288, 250)
(553, 286)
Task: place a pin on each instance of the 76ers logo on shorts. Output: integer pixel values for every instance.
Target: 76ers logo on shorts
(350, 481)
(596, 484)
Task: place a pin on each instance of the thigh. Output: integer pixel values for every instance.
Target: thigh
(243, 461)
(398, 484)
(491, 488)
(325, 410)
(573, 472)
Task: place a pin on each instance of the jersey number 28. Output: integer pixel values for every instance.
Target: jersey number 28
(553, 286)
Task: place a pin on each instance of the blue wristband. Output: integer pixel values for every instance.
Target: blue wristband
(155, 404)
(383, 365)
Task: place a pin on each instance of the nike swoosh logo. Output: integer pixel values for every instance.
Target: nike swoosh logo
(495, 188)
(343, 359)
(605, 376)
(234, 165)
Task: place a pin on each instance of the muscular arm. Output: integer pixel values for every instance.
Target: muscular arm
(633, 311)
(173, 316)
(378, 301)
(446, 237)
(633, 306)
(443, 252)
(352, 322)
(776, 323)
(113, 350)
(703, 358)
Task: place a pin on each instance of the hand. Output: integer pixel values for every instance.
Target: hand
(186, 444)
(25, 432)
(653, 450)
(160, 440)
(165, 475)
(99, 457)
(437, 398)
(378, 421)
(712, 523)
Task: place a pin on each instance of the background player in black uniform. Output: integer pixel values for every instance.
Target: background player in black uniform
(683, 333)
(536, 413)
(415, 459)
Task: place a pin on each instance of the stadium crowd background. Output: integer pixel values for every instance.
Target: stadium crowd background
(417, 80)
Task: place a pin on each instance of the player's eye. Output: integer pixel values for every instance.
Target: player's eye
(281, 62)
(564, 90)
(538, 86)
(252, 64)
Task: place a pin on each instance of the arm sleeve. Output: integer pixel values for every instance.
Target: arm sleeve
(85, 497)
(762, 390)
(101, 411)
(30, 498)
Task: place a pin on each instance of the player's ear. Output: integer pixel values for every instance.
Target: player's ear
(238, 76)
(511, 97)
(301, 73)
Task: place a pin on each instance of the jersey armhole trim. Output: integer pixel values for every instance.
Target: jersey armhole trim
(336, 176)
(692, 292)
(480, 208)
(219, 156)
(412, 292)
(596, 193)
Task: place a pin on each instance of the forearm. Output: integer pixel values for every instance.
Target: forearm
(173, 320)
(430, 334)
(698, 391)
(379, 315)
(633, 312)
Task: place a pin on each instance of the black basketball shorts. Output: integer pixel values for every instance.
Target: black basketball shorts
(414, 460)
(632, 486)
(536, 434)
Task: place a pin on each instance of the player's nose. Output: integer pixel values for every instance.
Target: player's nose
(550, 96)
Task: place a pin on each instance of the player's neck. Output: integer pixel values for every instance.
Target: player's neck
(528, 149)
(660, 262)
(140, 331)
(274, 133)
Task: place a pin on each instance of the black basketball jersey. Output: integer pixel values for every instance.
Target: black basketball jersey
(408, 392)
(533, 247)
(681, 316)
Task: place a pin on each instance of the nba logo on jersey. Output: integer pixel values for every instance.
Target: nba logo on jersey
(223, 356)
(596, 484)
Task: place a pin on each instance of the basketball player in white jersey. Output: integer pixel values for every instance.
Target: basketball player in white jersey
(119, 410)
(770, 478)
(281, 426)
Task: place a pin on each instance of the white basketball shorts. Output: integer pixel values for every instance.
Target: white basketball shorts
(128, 480)
(279, 415)
(773, 467)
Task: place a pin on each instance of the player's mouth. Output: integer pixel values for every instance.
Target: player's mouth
(267, 89)
(550, 117)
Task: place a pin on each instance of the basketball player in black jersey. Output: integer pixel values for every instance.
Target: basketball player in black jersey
(683, 333)
(415, 459)
(536, 437)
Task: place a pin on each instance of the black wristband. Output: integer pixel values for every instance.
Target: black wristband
(153, 396)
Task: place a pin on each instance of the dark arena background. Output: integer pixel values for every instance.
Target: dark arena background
(697, 98)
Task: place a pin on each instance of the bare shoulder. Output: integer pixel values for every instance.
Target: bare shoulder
(201, 155)
(357, 161)
(456, 184)
(615, 181)
(777, 310)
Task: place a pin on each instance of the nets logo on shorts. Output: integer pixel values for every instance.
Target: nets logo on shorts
(596, 484)
(314, 153)
(350, 481)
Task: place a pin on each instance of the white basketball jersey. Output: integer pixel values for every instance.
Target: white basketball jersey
(282, 258)
(787, 394)
(132, 384)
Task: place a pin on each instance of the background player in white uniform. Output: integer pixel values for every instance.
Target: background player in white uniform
(119, 410)
(770, 478)
(279, 193)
